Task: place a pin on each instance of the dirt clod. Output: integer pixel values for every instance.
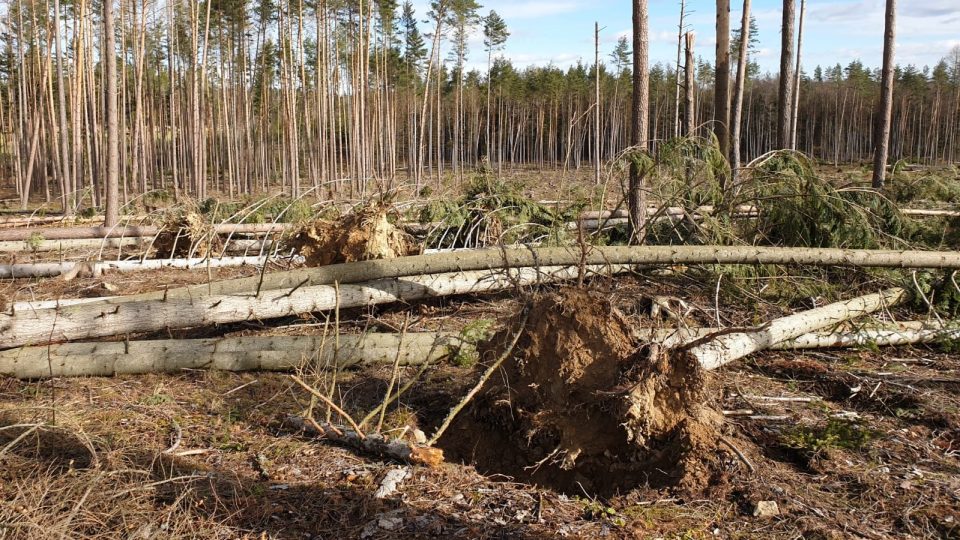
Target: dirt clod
(365, 234)
(582, 406)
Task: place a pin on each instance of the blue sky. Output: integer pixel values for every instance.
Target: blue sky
(561, 31)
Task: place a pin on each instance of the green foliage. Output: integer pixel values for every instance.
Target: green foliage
(252, 210)
(493, 212)
(472, 335)
(928, 187)
(941, 290)
(837, 433)
(802, 209)
(690, 172)
(34, 241)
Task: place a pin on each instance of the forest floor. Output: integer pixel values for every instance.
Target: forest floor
(857, 443)
(866, 445)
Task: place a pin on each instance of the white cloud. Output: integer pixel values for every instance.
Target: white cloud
(537, 9)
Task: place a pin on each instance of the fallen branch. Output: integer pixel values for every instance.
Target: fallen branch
(94, 320)
(374, 444)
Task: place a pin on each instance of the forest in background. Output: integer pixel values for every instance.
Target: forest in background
(348, 98)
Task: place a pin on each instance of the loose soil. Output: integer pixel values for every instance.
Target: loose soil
(362, 235)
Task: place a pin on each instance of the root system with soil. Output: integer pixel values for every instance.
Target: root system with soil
(583, 406)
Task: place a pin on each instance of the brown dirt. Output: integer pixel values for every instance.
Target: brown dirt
(363, 235)
(579, 406)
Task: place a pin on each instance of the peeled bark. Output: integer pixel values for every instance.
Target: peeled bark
(254, 353)
(87, 321)
(723, 349)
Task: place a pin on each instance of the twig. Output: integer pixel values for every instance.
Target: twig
(739, 454)
(487, 374)
(179, 438)
(330, 404)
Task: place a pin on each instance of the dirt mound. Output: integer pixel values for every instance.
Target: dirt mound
(363, 235)
(581, 406)
(186, 234)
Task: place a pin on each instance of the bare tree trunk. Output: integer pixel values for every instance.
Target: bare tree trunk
(690, 90)
(721, 85)
(796, 79)
(640, 109)
(676, 82)
(596, 105)
(885, 106)
(738, 95)
(112, 211)
(785, 103)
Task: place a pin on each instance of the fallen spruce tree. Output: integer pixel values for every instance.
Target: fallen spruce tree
(273, 353)
(580, 403)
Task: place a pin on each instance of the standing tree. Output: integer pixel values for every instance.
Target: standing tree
(495, 35)
(885, 106)
(640, 110)
(690, 88)
(721, 93)
(785, 103)
(743, 47)
(796, 82)
(112, 212)
(463, 18)
(677, 84)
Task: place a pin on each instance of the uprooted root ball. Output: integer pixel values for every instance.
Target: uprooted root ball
(186, 234)
(365, 234)
(579, 406)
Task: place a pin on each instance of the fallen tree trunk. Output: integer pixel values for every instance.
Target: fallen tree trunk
(562, 256)
(279, 353)
(86, 321)
(71, 233)
(255, 353)
(96, 244)
(39, 270)
(720, 350)
(740, 211)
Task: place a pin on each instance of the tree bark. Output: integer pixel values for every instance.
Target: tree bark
(785, 103)
(94, 320)
(738, 94)
(721, 87)
(75, 233)
(252, 353)
(885, 105)
(794, 113)
(689, 87)
(726, 348)
(112, 210)
(550, 257)
(640, 113)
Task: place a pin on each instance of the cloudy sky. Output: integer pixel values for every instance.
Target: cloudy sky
(561, 31)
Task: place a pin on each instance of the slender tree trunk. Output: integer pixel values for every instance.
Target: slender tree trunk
(738, 95)
(885, 106)
(689, 87)
(721, 92)
(797, 76)
(785, 103)
(640, 108)
(676, 108)
(112, 211)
